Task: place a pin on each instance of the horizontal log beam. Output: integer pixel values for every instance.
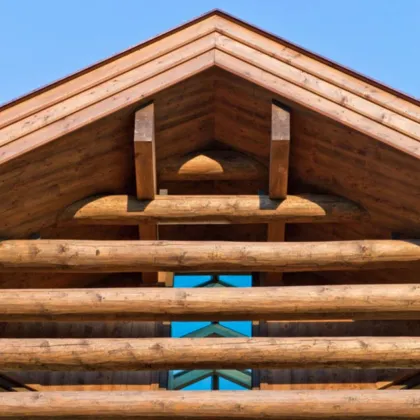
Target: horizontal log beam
(208, 353)
(387, 302)
(144, 256)
(220, 165)
(125, 210)
(291, 405)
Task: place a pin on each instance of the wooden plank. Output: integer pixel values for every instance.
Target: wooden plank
(108, 89)
(221, 165)
(209, 353)
(324, 89)
(359, 111)
(390, 302)
(305, 61)
(130, 96)
(296, 95)
(45, 255)
(217, 209)
(106, 70)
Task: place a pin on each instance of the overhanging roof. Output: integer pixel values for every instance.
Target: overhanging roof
(295, 75)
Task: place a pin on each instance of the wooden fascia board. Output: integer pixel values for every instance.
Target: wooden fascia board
(215, 18)
(245, 62)
(325, 69)
(292, 94)
(130, 58)
(112, 104)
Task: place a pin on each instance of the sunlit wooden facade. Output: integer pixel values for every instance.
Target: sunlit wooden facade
(213, 148)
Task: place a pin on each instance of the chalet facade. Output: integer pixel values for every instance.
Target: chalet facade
(213, 149)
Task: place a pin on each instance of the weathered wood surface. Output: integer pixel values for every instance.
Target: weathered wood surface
(227, 165)
(139, 256)
(209, 353)
(398, 301)
(306, 208)
(290, 405)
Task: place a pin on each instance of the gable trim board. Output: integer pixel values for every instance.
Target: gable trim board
(215, 40)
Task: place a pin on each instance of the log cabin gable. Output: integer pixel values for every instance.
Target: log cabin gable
(291, 74)
(214, 131)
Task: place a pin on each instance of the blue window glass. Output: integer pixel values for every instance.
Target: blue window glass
(216, 378)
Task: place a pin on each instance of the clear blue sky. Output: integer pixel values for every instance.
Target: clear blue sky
(43, 40)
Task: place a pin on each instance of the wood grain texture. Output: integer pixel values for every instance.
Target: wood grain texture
(103, 71)
(279, 151)
(293, 94)
(109, 89)
(320, 67)
(292, 405)
(209, 353)
(149, 256)
(126, 210)
(304, 79)
(97, 159)
(145, 168)
(233, 47)
(100, 380)
(334, 378)
(144, 152)
(270, 303)
(125, 99)
(212, 165)
(278, 177)
(385, 181)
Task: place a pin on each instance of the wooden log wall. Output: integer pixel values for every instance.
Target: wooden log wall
(320, 149)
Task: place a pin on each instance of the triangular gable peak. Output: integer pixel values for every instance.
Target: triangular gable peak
(296, 77)
(221, 136)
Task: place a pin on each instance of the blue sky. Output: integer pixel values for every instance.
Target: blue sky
(44, 40)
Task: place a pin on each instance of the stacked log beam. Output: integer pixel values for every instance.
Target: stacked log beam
(178, 256)
(291, 405)
(393, 301)
(209, 353)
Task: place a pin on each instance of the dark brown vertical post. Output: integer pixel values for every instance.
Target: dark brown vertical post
(145, 167)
